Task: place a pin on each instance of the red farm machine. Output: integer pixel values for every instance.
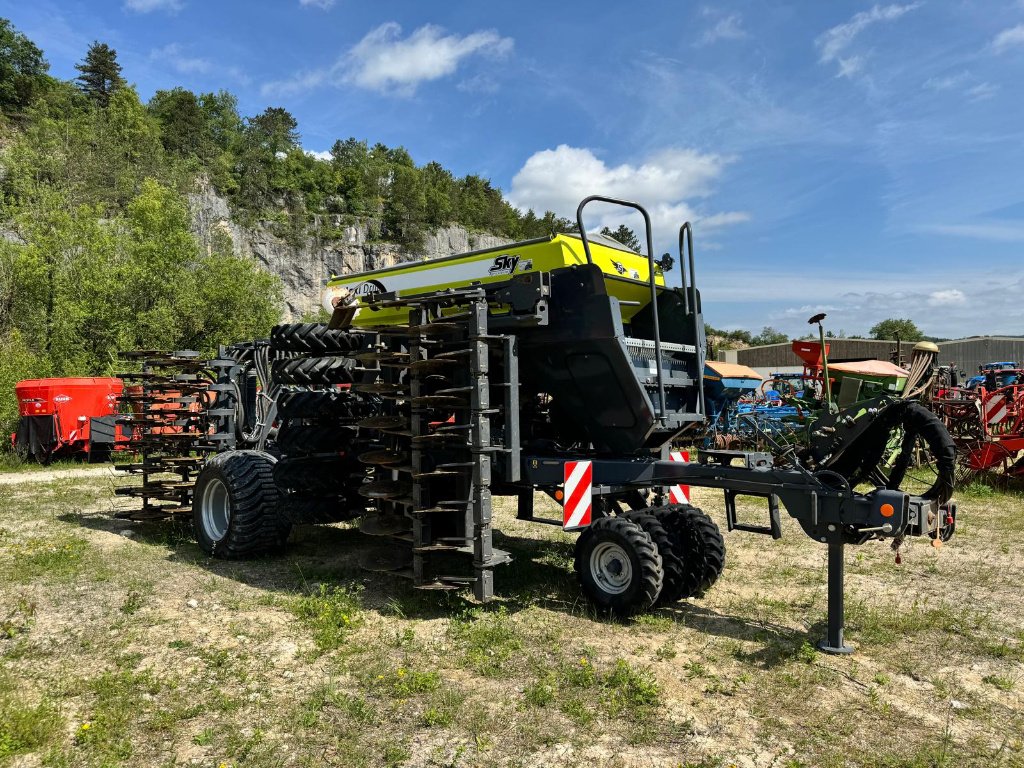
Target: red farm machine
(68, 417)
(987, 422)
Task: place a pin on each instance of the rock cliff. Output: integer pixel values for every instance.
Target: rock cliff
(304, 268)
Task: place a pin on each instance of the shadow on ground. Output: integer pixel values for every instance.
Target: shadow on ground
(540, 574)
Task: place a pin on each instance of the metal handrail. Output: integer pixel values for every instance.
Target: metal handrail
(662, 406)
(686, 236)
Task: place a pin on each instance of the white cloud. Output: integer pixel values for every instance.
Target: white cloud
(172, 56)
(479, 84)
(982, 91)
(850, 66)
(1001, 232)
(323, 154)
(148, 6)
(383, 61)
(950, 296)
(834, 42)
(1008, 38)
(725, 219)
(947, 82)
(965, 84)
(322, 4)
(300, 82)
(728, 27)
(557, 179)
(981, 304)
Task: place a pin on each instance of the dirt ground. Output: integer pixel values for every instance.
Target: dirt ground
(121, 644)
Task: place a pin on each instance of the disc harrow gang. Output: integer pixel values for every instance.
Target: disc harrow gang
(988, 428)
(415, 440)
(178, 408)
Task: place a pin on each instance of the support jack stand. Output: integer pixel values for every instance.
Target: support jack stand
(833, 640)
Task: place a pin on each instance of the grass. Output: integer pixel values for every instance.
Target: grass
(11, 462)
(582, 692)
(139, 651)
(53, 558)
(491, 640)
(25, 727)
(330, 613)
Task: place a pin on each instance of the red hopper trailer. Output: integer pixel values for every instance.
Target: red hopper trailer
(68, 417)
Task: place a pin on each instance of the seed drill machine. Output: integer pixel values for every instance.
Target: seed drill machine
(565, 366)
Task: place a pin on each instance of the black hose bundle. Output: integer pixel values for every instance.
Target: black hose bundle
(862, 462)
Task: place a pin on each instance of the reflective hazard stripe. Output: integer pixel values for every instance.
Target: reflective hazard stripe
(577, 506)
(679, 494)
(995, 409)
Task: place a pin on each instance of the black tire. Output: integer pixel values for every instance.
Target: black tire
(301, 439)
(235, 507)
(618, 566)
(674, 582)
(318, 509)
(307, 405)
(318, 474)
(313, 371)
(313, 338)
(698, 542)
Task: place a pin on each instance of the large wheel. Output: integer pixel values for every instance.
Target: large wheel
(618, 566)
(319, 508)
(307, 405)
(313, 338)
(235, 507)
(698, 543)
(315, 371)
(674, 582)
(303, 439)
(318, 474)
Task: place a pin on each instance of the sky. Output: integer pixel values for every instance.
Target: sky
(861, 159)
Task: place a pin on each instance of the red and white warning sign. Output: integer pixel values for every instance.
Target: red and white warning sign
(995, 409)
(679, 494)
(577, 506)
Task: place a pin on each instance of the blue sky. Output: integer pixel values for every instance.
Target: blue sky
(862, 159)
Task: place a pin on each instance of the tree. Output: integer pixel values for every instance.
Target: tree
(404, 212)
(274, 130)
(22, 69)
(183, 128)
(439, 194)
(86, 284)
(220, 116)
(101, 74)
(125, 150)
(890, 328)
(624, 235)
(769, 335)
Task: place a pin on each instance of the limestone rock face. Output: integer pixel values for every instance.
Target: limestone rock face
(304, 268)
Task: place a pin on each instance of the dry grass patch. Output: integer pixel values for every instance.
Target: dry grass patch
(121, 644)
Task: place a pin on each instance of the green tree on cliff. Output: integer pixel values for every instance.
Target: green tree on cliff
(22, 69)
(101, 74)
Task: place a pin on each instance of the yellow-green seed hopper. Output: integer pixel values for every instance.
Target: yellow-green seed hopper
(627, 273)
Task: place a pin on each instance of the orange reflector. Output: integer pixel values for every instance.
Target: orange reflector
(559, 495)
(887, 510)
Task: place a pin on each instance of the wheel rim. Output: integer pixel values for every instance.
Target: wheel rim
(611, 568)
(216, 509)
